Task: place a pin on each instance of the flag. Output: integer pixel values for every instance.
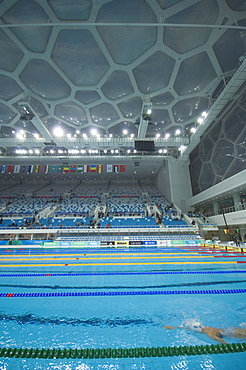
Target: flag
(116, 168)
(46, 168)
(80, 168)
(29, 169)
(86, 168)
(53, 168)
(3, 169)
(122, 168)
(93, 168)
(109, 168)
(24, 169)
(73, 168)
(17, 168)
(10, 169)
(59, 168)
(66, 169)
(99, 168)
(36, 168)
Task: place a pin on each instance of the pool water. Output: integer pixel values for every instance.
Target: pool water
(116, 298)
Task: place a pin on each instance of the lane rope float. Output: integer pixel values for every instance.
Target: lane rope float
(89, 353)
(117, 293)
(128, 273)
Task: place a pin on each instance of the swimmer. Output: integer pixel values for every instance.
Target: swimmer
(214, 333)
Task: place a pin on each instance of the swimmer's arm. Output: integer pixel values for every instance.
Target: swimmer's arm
(169, 327)
(212, 334)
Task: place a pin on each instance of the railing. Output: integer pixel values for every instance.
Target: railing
(87, 227)
(239, 207)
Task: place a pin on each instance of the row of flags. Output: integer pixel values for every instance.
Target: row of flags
(48, 168)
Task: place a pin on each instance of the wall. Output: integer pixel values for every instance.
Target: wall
(162, 181)
(174, 182)
(224, 187)
(233, 218)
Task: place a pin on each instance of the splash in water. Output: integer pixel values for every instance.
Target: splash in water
(193, 324)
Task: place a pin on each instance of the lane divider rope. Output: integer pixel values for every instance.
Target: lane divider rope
(117, 293)
(124, 264)
(51, 353)
(127, 273)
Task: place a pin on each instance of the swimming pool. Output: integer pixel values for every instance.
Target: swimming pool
(119, 298)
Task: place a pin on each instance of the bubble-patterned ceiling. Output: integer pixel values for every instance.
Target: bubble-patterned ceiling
(83, 65)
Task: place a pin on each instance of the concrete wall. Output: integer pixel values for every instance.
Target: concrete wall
(233, 218)
(174, 182)
(162, 181)
(232, 183)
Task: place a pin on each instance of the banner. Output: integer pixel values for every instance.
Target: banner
(17, 168)
(73, 168)
(109, 168)
(28, 169)
(119, 243)
(24, 169)
(99, 168)
(59, 168)
(3, 169)
(36, 168)
(10, 169)
(80, 168)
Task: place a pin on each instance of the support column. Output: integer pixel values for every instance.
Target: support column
(216, 207)
(243, 233)
(236, 201)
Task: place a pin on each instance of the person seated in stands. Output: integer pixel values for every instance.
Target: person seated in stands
(13, 224)
(98, 225)
(108, 226)
(214, 333)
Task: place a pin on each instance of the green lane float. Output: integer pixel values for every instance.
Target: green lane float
(89, 353)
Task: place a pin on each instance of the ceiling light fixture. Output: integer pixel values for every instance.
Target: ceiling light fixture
(200, 120)
(58, 131)
(93, 131)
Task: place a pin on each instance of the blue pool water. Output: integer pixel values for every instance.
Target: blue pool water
(119, 299)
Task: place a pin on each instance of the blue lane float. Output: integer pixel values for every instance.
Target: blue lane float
(150, 292)
(127, 273)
